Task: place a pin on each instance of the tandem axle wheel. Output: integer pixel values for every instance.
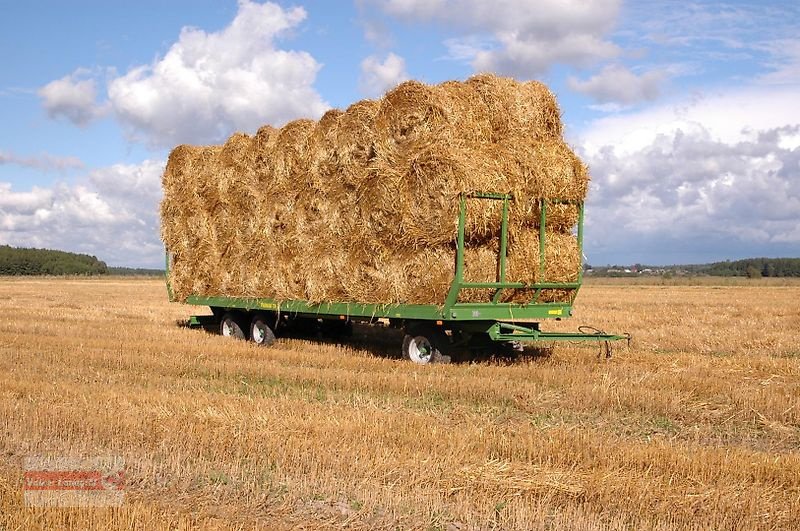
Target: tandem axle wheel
(240, 325)
(425, 344)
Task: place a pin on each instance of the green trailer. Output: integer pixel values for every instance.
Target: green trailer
(433, 333)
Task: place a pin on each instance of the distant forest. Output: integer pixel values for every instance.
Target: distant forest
(135, 272)
(22, 261)
(749, 267)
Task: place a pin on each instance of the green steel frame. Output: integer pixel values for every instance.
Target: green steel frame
(501, 321)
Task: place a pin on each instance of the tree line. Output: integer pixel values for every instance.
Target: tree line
(748, 267)
(754, 267)
(135, 272)
(24, 261)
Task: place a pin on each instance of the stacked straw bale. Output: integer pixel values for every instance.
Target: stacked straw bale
(362, 205)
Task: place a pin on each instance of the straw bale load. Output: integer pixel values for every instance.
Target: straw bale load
(363, 204)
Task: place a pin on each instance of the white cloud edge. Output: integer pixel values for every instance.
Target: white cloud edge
(73, 98)
(728, 115)
(111, 212)
(512, 39)
(42, 161)
(377, 76)
(207, 85)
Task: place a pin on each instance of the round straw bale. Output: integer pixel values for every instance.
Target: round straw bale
(409, 110)
(323, 159)
(355, 138)
(562, 264)
(523, 109)
(466, 112)
(264, 148)
(237, 181)
(549, 170)
(413, 192)
(290, 161)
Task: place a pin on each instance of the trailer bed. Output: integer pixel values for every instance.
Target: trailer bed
(431, 330)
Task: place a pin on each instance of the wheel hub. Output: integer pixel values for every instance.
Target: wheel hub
(420, 350)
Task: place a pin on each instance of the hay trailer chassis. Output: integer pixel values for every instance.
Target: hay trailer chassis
(433, 334)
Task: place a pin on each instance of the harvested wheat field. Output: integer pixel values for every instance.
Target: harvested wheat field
(696, 426)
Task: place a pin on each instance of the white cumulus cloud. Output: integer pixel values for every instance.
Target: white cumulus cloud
(728, 116)
(710, 178)
(112, 214)
(617, 84)
(377, 76)
(211, 84)
(207, 85)
(73, 97)
(526, 37)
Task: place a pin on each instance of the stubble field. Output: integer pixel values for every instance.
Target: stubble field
(696, 425)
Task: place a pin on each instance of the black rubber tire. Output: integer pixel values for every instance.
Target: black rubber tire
(425, 344)
(232, 325)
(261, 332)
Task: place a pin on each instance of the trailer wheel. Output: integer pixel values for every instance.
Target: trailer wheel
(260, 331)
(425, 344)
(231, 326)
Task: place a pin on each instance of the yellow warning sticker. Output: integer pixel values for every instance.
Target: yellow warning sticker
(557, 311)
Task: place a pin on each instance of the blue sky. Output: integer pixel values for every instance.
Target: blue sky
(687, 113)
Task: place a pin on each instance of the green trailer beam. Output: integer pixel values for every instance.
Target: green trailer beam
(460, 311)
(516, 332)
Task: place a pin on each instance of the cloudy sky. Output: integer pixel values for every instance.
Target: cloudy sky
(687, 113)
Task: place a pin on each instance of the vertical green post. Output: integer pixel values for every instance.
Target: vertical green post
(462, 221)
(503, 248)
(455, 287)
(504, 240)
(542, 227)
